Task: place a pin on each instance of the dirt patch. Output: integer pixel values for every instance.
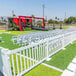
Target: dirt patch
(3, 28)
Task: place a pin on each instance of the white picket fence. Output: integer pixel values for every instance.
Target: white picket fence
(19, 61)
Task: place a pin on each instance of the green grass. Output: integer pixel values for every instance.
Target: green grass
(7, 43)
(19, 63)
(27, 61)
(71, 24)
(18, 32)
(64, 57)
(7, 36)
(66, 27)
(42, 70)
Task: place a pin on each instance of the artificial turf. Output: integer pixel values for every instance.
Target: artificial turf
(42, 70)
(62, 59)
(7, 42)
(7, 38)
(18, 32)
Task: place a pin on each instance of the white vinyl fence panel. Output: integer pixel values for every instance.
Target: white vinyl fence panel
(19, 61)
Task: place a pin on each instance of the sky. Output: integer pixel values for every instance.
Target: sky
(53, 8)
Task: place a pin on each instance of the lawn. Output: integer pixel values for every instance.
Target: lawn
(66, 27)
(7, 43)
(42, 70)
(17, 32)
(62, 59)
(7, 36)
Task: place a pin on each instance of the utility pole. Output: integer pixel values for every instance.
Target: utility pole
(46, 18)
(65, 16)
(43, 9)
(12, 12)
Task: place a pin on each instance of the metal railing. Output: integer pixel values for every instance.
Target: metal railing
(19, 61)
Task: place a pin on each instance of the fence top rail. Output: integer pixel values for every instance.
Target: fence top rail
(7, 51)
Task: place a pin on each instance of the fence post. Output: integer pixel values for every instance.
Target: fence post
(6, 63)
(1, 63)
(47, 51)
(63, 46)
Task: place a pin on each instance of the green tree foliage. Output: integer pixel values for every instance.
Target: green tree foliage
(33, 20)
(14, 15)
(53, 21)
(50, 21)
(33, 15)
(61, 22)
(70, 20)
(56, 22)
(2, 19)
(39, 21)
(0, 22)
(56, 18)
(5, 20)
(45, 20)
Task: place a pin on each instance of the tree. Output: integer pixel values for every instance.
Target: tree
(45, 20)
(2, 19)
(14, 15)
(50, 21)
(33, 20)
(56, 22)
(70, 20)
(5, 20)
(33, 15)
(56, 18)
(39, 21)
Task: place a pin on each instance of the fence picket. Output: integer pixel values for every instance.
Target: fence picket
(21, 61)
(13, 66)
(24, 60)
